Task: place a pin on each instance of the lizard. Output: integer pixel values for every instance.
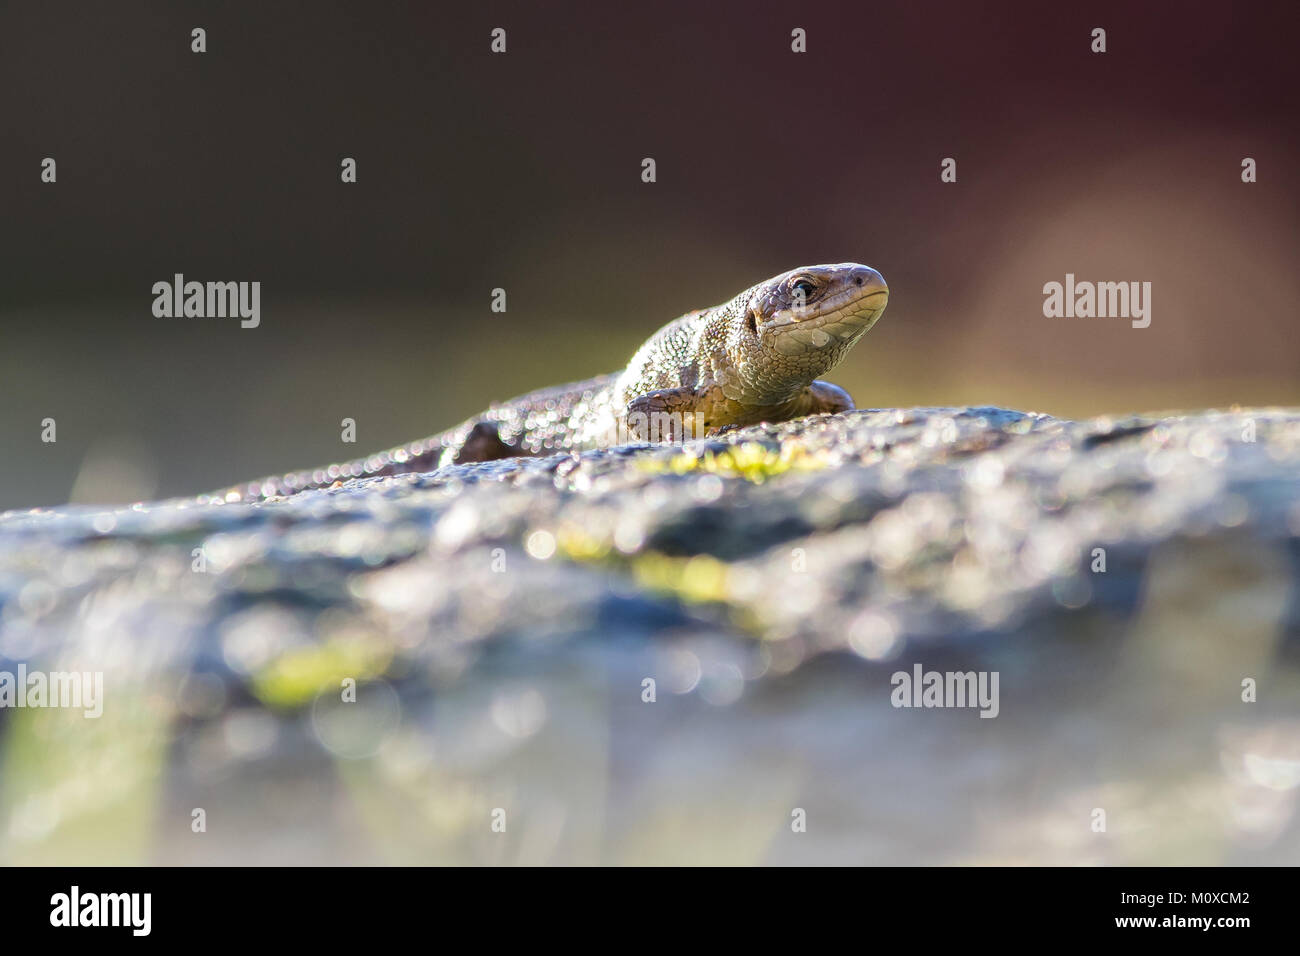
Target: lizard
(753, 359)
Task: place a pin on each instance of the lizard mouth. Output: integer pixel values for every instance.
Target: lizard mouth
(837, 319)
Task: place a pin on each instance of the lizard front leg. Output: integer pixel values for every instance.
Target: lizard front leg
(668, 414)
(819, 398)
(823, 398)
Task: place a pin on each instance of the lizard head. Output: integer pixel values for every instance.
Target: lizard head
(800, 324)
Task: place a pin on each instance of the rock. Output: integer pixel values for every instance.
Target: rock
(1126, 580)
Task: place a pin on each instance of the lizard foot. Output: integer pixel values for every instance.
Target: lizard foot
(823, 398)
(483, 443)
(666, 414)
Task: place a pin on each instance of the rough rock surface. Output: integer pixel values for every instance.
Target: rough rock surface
(500, 621)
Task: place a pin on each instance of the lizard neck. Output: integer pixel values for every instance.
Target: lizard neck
(738, 362)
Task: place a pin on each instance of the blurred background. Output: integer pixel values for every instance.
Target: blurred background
(522, 171)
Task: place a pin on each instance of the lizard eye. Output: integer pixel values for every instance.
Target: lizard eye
(804, 288)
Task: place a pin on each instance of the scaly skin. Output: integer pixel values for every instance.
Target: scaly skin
(753, 359)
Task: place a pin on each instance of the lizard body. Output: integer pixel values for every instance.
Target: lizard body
(755, 358)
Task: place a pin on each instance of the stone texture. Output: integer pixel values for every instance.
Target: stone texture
(500, 620)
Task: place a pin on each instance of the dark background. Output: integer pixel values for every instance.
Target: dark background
(523, 171)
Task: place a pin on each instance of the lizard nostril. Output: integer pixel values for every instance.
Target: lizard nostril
(857, 280)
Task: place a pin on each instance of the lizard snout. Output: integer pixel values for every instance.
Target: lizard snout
(869, 282)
